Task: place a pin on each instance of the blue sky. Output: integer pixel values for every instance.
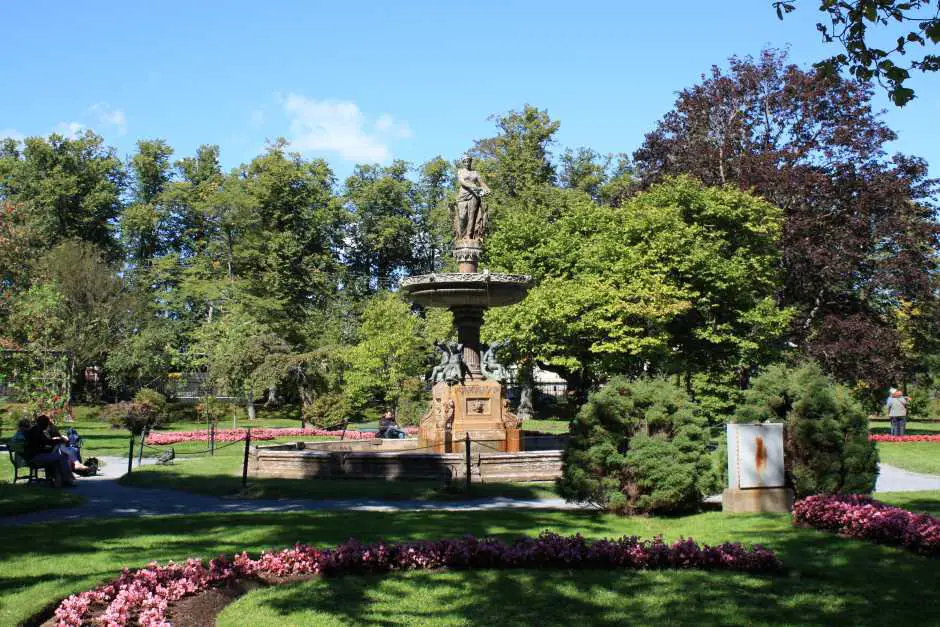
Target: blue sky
(372, 81)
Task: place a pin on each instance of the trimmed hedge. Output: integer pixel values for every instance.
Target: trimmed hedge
(826, 438)
(637, 446)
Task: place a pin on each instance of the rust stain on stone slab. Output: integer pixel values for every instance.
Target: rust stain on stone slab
(760, 455)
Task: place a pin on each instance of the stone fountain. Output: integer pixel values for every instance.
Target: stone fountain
(468, 395)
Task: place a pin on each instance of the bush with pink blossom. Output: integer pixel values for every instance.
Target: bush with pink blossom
(143, 596)
(881, 437)
(164, 438)
(860, 516)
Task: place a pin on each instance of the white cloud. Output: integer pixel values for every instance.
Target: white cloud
(12, 133)
(340, 126)
(387, 124)
(257, 117)
(110, 116)
(69, 129)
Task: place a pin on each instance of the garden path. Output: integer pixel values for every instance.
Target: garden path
(893, 479)
(106, 498)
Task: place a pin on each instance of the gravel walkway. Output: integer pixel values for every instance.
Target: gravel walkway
(893, 479)
(105, 498)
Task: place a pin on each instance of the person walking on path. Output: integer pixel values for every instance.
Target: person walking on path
(897, 411)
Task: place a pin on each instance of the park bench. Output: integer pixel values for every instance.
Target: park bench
(18, 459)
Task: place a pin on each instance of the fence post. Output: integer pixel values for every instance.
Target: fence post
(467, 454)
(140, 453)
(130, 454)
(245, 462)
(212, 439)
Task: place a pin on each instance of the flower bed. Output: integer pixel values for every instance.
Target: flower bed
(861, 516)
(880, 437)
(163, 438)
(144, 596)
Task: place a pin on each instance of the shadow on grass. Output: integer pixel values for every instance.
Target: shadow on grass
(830, 581)
(23, 498)
(192, 477)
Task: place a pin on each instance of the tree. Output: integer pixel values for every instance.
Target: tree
(383, 224)
(76, 305)
(232, 347)
(679, 280)
(288, 254)
(393, 348)
(18, 250)
(825, 434)
(518, 158)
(859, 231)
(433, 232)
(637, 446)
(851, 23)
(145, 222)
(69, 188)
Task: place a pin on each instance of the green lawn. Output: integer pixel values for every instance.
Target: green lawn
(221, 476)
(914, 427)
(20, 498)
(830, 580)
(914, 456)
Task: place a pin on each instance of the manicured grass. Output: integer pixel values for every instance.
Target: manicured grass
(546, 426)
(221, 476)
(914, 427)
(914, 456)
(21, 498)
(830, 580)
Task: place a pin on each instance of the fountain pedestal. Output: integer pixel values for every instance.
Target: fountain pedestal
(477, 407)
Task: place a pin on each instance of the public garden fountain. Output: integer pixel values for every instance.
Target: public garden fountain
(468, 396)
(469, 403)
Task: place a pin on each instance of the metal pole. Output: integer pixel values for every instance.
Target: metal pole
(245, 462)
(467, 453)
(130, 454)
(140, 453)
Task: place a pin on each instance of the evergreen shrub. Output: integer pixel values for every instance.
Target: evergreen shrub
(637, 447)
(826, 446)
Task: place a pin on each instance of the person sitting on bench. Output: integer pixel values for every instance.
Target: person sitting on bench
(388, 427)
(70, 445)
(42, 450)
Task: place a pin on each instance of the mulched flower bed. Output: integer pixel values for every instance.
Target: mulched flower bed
(145, 596)
(861, 516)
(164, 438)
(880, 437)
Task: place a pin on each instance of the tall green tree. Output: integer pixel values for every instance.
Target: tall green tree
(519, 157)
(383, 226)
(146, 223)
(433, 231)
(76, 304)
(860, 231)
(679, 280)
(69, 188)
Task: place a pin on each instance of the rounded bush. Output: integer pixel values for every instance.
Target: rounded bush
(636, 447)
(826, 444)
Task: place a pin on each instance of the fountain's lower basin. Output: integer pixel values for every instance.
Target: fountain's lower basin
(400, 460)
(476, 289)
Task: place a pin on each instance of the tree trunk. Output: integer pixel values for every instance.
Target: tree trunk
(250, 407)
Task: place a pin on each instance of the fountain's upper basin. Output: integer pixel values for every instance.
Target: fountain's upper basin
(478, 289)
